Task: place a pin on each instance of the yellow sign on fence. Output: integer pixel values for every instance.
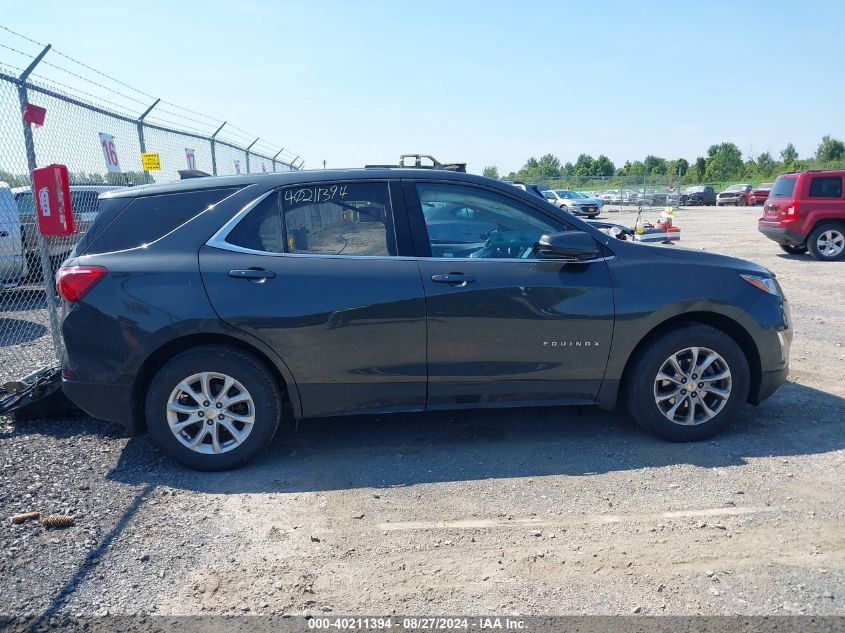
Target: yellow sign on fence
(151, 162)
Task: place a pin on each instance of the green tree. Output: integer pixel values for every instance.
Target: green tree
(766, 165)
(491, 171)
(625, 169)
(654, 165)
(724, 162)
(603, 166)
(584, 165)
(830, 149)
(637, 168)
(548, 166)
(679, 165)
(568, 170)
(789, 154)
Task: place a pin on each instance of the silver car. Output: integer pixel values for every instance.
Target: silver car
(573, 202)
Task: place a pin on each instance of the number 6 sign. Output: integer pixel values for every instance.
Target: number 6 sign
(109, 152)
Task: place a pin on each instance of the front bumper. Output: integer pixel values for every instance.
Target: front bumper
(769, 383)
(775, 232)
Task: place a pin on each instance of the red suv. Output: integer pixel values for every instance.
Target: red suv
(806, 211)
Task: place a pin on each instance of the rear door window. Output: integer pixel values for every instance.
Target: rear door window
(826, 187)
(148, 218)
(352, 219)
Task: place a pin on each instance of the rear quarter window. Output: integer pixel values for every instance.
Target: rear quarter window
(783, 188)
(148, 218)
(826, 187)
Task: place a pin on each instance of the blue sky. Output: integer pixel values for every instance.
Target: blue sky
(483, 82)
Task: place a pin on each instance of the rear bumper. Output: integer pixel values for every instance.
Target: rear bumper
(109, 402)
(774, 231)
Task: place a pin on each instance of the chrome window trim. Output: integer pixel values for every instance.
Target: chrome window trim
(218, 240)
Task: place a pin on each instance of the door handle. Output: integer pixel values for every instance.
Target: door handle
(254, 274)
(453, 279)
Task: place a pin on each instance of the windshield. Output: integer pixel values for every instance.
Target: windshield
(569, 195)
(693, 189)
(737, 187)
(783, 187)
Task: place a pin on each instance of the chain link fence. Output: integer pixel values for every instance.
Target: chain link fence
(101, 144)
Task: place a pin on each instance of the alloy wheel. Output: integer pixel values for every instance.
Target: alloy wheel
(692, 386)
(831, 243)
(210, 413)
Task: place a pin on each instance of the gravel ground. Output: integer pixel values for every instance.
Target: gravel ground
(572, 511)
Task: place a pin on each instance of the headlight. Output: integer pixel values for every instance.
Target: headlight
(766, 284)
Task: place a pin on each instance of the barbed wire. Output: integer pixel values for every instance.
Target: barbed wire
(231, 131)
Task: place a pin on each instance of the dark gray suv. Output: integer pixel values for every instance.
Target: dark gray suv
(208, 309)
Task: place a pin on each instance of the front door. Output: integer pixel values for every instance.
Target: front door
(312, 271)
(503, 326)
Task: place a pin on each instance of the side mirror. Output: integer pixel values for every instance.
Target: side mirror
(570, 246)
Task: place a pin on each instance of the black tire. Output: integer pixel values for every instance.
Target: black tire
(818, 232)
(258, 381)
(793, 250)
(639, 388)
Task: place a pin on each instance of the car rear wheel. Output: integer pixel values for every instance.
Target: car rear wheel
(688, 384)
(213, 407)
(793, 250)
(827, 242)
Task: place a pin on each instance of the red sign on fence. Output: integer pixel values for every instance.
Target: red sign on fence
(51, 191)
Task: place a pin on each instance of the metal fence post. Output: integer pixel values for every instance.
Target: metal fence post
(248, 147)
(213, 151)
(141, 135)
(274, 158)
(43, 253)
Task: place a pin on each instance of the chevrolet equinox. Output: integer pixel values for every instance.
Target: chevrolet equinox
(206, 310)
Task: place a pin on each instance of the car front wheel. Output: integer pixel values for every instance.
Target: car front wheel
(688, 384)
(213, 407)
(827, 242)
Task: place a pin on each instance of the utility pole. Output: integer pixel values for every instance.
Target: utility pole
(324, 164)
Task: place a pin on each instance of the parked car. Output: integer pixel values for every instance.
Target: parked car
(207, 310)
(573, 202)
(592, 197)
(83, 201)
(760, 194)
(12, 261)
(806, 211)
(698, 196)
(735, 194)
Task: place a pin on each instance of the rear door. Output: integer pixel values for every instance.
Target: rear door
(503, 326)
(315, 272)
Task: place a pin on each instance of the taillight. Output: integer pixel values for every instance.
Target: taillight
(74, 282)
(792, 209)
